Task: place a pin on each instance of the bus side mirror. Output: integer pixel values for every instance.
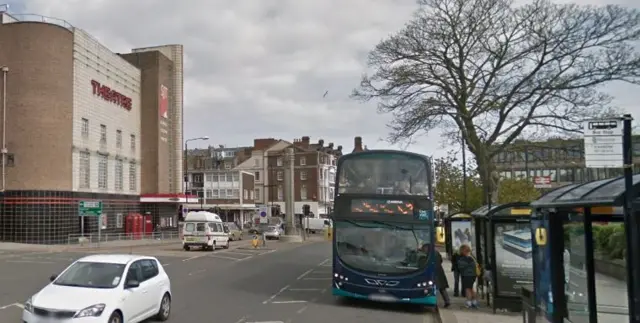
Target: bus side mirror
(327, 223)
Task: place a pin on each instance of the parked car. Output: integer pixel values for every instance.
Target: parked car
(104, 289)
(235, 233)
(270, 231)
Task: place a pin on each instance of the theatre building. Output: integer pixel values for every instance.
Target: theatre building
(82, 124)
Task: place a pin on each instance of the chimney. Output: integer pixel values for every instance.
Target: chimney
(340, 148)
(330, 145)
(357, 145)
(320, 142)
(305, 142)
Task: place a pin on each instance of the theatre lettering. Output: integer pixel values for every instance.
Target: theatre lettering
(108, 94)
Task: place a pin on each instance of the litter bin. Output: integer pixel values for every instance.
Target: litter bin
(528, 304)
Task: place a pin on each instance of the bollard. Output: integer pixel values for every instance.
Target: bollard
(254, 241)
(264, 239)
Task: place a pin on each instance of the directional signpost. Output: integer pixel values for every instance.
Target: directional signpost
(90, 208)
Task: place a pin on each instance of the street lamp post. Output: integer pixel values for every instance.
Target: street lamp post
(5, 71)
(186, 152)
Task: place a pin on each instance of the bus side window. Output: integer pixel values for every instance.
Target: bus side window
(212, 227)
(200, 227)
(219, 227)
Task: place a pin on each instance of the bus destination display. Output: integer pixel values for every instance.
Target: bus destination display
(381, 206)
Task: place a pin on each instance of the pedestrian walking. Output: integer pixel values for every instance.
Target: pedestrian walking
(442, 282)
(468, 268)
(456, 274)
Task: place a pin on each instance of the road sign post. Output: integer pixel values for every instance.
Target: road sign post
(603, 143)
(90, 208)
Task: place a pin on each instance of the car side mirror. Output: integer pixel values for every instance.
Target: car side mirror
(132, 284)
(52, 278)
(327, 223)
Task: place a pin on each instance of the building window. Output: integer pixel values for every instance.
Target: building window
(236, 193)
(227, 165)
(229, 177)
(279, 176)
(119, 175)
(103, 134)
(119, 221)
(303, 192)
(215, 193)
(251, 196)
(229, 193)
(133, 142)
(103, 174)
(209, 177)
(197, 178)
(279, 161)
(280, 193)
(256, 176)
(84, 130)
(118, 138)
(245, 194)
(256, 193)
(303, 175)
(303, 161)
(85, 170)
(256, 162)
(223, 193)
(236, 177)
(208, 194)
(133, 176)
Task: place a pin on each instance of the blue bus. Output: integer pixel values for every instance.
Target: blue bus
(383, 238)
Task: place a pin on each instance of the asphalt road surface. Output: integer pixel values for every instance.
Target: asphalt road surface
(284, 283)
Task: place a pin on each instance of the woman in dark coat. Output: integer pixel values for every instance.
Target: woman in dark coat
(441, 280)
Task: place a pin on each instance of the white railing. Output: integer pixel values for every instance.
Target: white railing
(123, 239)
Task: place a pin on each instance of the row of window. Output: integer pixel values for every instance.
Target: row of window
(226, 177)
(534, 154)
(103, 135)
(567, 174)
(103, 173)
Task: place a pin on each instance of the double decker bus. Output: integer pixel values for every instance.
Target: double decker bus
(383, 243)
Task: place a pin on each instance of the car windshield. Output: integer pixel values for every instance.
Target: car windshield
(91, 275)
(384, 173)
(382, 247)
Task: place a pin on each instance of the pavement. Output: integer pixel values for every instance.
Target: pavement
(280, 283)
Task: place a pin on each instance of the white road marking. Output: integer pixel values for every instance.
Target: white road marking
(276, 294)
(266, 253)
(289, 302)
(228, 258)
(239, 253)
(165, 265)
(312, 278)
(242, 319)
(302, 309)
(323, 291)
(11, 305)
(305, 289)
(323, 262)
(30, 262)
(194, 257)
(304, 274)
(197, 272)
(265, 322)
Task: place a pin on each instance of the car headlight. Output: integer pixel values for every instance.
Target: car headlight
(28, 306)
(91, 311)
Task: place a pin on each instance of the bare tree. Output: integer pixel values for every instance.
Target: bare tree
(491, 71)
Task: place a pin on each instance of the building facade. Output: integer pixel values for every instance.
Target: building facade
(559, 159)
(74, 132)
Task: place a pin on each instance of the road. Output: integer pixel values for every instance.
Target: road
(284, 283)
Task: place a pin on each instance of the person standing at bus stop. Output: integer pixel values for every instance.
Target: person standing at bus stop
(441, 280)
(468, 273)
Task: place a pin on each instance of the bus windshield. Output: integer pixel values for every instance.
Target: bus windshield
(384, 173)
(383, 248)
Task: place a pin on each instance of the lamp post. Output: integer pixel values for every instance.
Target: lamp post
(5, 71)
(186, 152)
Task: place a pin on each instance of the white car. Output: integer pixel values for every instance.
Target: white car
(103, 289)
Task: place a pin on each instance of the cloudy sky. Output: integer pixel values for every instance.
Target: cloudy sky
(259, 68)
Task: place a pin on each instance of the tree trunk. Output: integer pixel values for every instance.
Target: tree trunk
(488, 178)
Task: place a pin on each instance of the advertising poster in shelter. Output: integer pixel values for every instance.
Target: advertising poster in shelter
(461, 234)
(513, 254)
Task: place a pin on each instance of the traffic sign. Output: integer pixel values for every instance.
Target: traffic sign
(542, 182)
(603, 143)
(90, 208)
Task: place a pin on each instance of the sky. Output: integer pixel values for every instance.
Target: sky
(260, 69)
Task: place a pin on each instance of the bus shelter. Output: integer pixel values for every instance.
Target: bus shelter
(503, 248)
(457, 229)
(579, 251)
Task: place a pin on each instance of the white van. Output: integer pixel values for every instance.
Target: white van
(204, 230)
(313, 225)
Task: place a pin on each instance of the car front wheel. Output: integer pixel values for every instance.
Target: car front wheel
(165, 308)
(115, 318)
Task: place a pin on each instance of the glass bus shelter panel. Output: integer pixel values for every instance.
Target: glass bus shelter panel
(612, 190)
(611, 292)
(512, 252)
(552, 195)
(580, 191)
(542, 268)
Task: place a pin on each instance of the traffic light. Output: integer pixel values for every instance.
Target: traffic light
(306, 209)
